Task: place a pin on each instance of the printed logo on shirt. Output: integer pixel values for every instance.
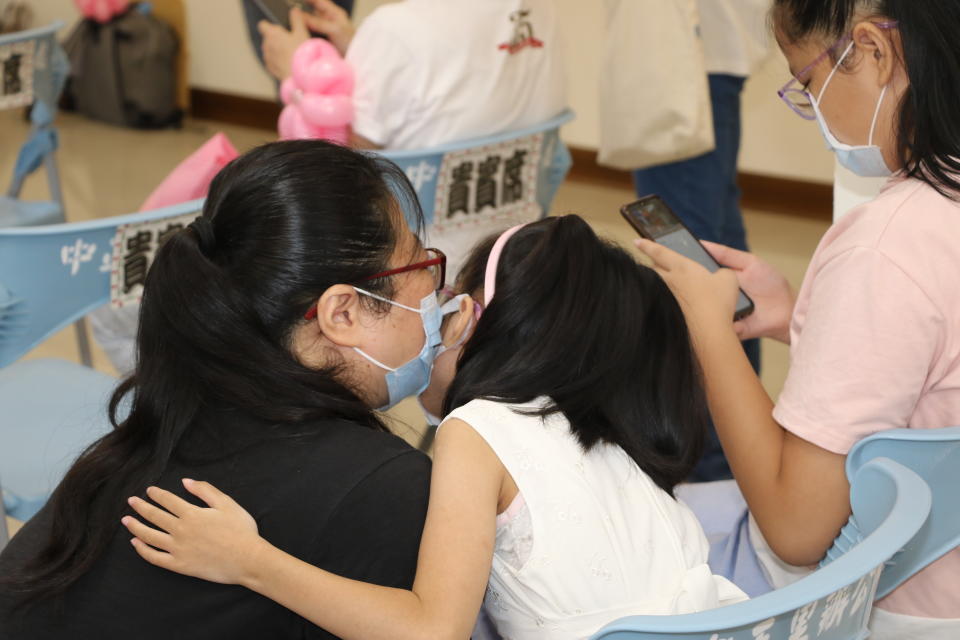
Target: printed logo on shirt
(522, 34)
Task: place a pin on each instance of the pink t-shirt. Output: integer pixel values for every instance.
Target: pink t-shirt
(876, 344)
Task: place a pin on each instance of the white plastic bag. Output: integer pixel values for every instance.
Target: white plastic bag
(654, 95)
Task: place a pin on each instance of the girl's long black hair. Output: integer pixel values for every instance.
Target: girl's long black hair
(577, 319)
(928, 135)
(285, 222)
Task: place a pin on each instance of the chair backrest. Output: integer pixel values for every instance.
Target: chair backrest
(52, 275)
(832, 603)
(475, 187)
(34, 70)
(934, 455)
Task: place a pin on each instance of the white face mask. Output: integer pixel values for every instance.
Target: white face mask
(864, 160)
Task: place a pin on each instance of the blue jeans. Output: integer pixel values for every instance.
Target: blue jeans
(253, 15)
(703, 191)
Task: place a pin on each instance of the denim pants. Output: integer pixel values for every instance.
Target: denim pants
(703, 191)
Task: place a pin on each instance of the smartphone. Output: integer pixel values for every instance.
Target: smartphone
(654, 220)
(278, 11)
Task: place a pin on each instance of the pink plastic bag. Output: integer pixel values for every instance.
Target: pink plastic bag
(192, 177)
(101, 10)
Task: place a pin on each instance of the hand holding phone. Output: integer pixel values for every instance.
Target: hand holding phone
(278, 11)
(654, 220)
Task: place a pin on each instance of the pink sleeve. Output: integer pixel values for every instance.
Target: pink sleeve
(863, 352)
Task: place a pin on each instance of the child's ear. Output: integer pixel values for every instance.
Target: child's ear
(460, 323)
(880, 45)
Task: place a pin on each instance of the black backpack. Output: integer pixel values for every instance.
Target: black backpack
(124, 71)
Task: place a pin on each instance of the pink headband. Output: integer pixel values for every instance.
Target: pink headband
(490, 278)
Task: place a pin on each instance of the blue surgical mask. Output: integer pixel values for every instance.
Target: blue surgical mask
(412, 377)
(864, 160)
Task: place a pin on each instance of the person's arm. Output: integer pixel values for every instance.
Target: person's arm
(797, 491)
(220, 543)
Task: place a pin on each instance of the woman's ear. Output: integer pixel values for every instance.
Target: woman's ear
(338, 315)
(879, 48)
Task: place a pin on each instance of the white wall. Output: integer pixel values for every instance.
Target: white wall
(775, 141)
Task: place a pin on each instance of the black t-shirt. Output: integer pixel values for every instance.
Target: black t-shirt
(342, 497)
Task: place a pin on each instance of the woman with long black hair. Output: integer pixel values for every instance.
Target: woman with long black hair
(233, 382)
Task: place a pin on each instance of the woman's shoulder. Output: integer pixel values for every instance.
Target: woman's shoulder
(356, 445)
(323, 452)
(909, 222)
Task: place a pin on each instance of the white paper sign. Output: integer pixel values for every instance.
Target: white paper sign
(16, 81)
(496, 182)
(134, 248)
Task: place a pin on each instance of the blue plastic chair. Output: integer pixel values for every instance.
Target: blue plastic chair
(889, 500)
(471, 188)
(50, 276)
(934, 455)
(35, 69)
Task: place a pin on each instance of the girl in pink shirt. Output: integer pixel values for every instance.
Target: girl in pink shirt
(875, 330)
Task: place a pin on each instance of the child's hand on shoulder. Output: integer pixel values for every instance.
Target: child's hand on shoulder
(217, 543)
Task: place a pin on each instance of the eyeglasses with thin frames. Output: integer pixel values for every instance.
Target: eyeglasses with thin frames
(797, 97)
(436, 265)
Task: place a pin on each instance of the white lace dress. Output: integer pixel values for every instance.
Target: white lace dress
(590, 539)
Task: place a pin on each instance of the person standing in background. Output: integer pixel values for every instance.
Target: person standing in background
(703, 190)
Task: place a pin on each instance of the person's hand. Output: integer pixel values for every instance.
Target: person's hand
(215, 543)
(708, 300)
(330, 20)
(772, 295)
(279, 45)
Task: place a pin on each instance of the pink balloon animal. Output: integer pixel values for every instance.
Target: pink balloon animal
(101, 10)
(317, 95)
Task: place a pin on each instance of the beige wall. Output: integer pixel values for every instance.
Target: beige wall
(775, 141)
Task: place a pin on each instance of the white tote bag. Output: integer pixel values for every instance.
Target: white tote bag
(654, 95)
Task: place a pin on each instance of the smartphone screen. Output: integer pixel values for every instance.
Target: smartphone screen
(278, 11)
(654, 220)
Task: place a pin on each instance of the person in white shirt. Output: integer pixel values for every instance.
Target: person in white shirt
(429, 72)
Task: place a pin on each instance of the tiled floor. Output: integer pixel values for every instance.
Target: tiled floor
(108, 171)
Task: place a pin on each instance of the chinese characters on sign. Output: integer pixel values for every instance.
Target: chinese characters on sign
(841, 614)
(134, 248)
(76, 254)
(493, 182)
(16, 83)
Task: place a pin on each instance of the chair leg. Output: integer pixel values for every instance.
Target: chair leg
(83, 342)
(426, 441)
(4, 535)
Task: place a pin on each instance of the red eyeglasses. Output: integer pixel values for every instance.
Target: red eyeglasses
(436, 265)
